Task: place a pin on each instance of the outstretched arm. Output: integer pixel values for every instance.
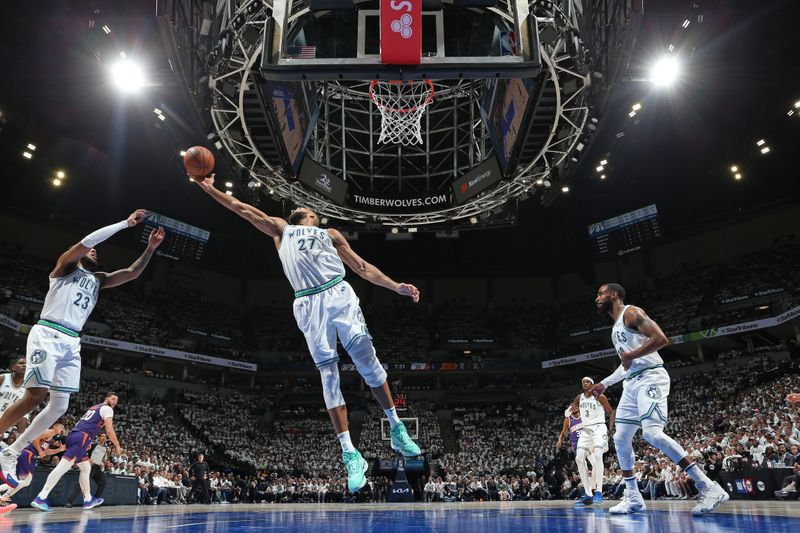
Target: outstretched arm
(125, 275)
(80, 249)
(368, 271)
(636, 318)
(564, 431)
(272, 226)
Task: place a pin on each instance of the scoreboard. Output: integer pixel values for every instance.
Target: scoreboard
(627, 232)
(181, 240)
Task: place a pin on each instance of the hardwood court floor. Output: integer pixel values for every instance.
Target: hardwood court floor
(488, 517)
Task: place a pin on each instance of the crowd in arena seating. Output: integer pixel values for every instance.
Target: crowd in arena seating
(694, 298)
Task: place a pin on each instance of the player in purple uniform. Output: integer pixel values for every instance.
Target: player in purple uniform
(48, 443)
(79, 440)
(572, 425)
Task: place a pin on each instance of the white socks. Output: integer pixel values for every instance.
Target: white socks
(630, 485)
(391, 414)
(699, 477)
(83, 480)
(344, 440)
(61, 468)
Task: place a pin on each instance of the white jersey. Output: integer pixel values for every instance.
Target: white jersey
(71, 299)
(9, 393)
(626, 340)
(592, 412)
(309, 258)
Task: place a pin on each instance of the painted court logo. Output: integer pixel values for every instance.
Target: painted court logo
(38, 356)
(654, 392)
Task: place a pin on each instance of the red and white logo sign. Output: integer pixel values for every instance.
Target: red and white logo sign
(401, 32)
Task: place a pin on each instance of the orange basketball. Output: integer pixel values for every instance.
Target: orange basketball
(199, 161)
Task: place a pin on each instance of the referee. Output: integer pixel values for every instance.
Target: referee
(199, 472)
(97, 454)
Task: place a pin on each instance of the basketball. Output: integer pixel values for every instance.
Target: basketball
(199, 161)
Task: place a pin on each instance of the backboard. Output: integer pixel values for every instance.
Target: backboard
(460, 40)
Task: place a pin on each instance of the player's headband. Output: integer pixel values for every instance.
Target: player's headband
(587, 378)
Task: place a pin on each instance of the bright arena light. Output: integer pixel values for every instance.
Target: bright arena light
(60, 174)
(665, 71)
(127, 76)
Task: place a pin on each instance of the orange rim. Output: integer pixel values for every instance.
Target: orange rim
(397, 82)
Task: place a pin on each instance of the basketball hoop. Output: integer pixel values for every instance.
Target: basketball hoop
(401, 104)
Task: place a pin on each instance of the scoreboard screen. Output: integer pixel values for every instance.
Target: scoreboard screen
(180, 241)
(627, 232)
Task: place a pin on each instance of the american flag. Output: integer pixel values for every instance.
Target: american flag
(303, 52)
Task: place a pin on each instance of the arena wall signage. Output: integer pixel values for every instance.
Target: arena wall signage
(400, 203)
(323, 181)
(141, 348)
(688, 337)
(477, 180)
(756, 294)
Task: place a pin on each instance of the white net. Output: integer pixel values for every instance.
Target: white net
(402, 104)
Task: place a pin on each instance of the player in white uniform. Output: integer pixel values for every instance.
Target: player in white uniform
(637, 338)
(54, 348)
(326, 308)
(593, 442)
(12, 390)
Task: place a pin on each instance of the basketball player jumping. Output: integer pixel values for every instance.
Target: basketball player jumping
(79, 440)
(12, 390)
(54, 348)
(593, 441)
(637, 338)
(325, 308)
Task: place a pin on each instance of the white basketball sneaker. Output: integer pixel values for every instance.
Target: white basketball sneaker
(710, 498)
(632, 502)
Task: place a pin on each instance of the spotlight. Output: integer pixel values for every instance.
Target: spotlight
(27, 155)
(604, 162)
(182, 153)
(473, 220)
(229, 184)
(395, 230)
(665, 71)
(162, 118)
(57, 182)
(546, 184)
(602, 176)
(60, 174)
(106, 29)
(734, 168)
(31, 147)
(127, 76)
(797, 104)
(157, 111)
(564, 189)
(760, 142)
(323, 220)
(632, 114)
(737, 176)
(637, 106)
(599, 169)
(765, 150)
(686, 23)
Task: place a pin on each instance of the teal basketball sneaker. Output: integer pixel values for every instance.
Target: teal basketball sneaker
(356, 467)
(401, 442)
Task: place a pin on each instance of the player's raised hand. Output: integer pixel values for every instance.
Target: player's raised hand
(406, 289)
(156, 238)
(204, 183)
(136, 217)
(598, 389)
